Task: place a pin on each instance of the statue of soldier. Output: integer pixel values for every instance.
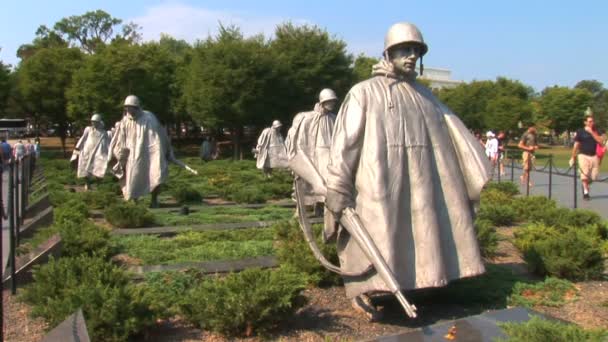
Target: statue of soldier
(270, 151)
(91, 151)
(411, 171)
(311, 134)
(142, 151)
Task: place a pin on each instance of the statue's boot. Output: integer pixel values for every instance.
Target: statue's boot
(154, 201)
(364, 305)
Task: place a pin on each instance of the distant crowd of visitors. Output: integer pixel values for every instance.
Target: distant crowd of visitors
(588, 150)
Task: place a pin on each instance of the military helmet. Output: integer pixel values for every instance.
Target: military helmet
(132, 101)
(327, 95)
(96, 117)
(403, 32)
(276, 124)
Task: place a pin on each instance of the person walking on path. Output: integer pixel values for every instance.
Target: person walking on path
(492, 149)
(586, 141)
(528, 144)
(502, 140)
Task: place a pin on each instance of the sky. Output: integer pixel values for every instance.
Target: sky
(541, 43)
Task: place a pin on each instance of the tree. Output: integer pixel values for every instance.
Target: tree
(5, 86)
(106, 78)
(229, 83)
(181, 53)
(43, 80)
(593, 86)
(362, 69)
(95, 29)
(564, 107)
(45, 39)
(495, 105)
(308, 59)
(600, 100)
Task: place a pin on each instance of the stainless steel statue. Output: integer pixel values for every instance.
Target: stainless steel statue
(91, 151)
(270, 150)
(142, 151)
(403, 175)
(310, 135)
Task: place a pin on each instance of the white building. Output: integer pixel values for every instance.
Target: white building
(439, 78)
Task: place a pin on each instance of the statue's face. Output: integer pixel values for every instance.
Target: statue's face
(133, 111)
(96, 124)
(404, 58)
(329, 105)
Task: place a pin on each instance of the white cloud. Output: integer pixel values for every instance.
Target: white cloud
(191, 23)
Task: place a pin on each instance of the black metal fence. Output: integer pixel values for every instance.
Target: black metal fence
(17, 175)
(549, 168)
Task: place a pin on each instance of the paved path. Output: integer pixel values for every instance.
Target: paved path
(563, 190)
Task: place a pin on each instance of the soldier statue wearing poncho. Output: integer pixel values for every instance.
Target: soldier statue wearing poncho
(91, 151)
(270, 151)
(403, 176)
(142, 151)
(310, 135)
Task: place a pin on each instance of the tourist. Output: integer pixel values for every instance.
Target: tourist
(528, 144)
(502, 151)
(586, 141)
(492, 149)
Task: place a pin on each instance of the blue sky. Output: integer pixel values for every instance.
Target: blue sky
(540, 43)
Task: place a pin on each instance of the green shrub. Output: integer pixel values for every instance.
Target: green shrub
(293, 250)
(98, 199)
(551, 292)
(498, 214)
(508, 188)
(110, 303)
(487, 237)
(533, 208)
(495, 197)
(541, 330)
(574, 255)
(84, 238)
(245, 303)
(529, 234)
(186, 194)
(246, 194)
(123, 214)
(72, 210)
(165, 291)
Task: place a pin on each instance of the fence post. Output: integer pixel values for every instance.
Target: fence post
(16, 205)
(11, 222)
(574, 167)
(2, 211)
(512, 169)
(550, 175)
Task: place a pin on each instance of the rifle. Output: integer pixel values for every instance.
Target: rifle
(303, 167)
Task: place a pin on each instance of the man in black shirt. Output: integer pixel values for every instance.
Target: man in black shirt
(585, 144)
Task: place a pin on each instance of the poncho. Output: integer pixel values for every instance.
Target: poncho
(413, 172)
(93, 157)
(271, 152)
(141, 147)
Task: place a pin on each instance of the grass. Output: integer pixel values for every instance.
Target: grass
(41, 235)
(561, 157)
(540, 330)
(197, 246)
(551, 292)
(223, 215)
